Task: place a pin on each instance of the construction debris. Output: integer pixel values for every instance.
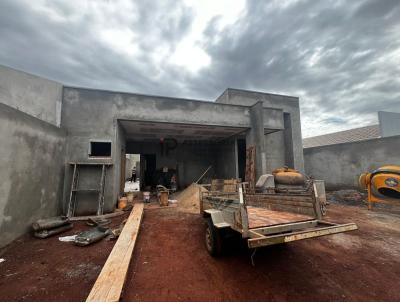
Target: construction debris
(91, 236)
(50, 232)
(67, 238)
(49, 223)
(104, 216)
(114, 234)
(96, 222)
(189, 199)
(346, 196)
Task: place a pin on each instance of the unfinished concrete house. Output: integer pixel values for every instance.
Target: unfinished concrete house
(48, 130)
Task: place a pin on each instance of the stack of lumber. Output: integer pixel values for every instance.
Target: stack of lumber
(224, 185)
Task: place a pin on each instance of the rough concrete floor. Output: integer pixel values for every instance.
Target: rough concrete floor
(171, 263)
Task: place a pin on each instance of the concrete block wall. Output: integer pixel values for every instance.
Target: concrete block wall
(340, 165)
(32, 170)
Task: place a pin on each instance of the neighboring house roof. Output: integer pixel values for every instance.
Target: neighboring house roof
(352, 135)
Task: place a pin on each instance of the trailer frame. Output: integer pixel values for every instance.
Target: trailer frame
(230, 210)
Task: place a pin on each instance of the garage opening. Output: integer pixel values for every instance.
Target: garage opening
(173, 156)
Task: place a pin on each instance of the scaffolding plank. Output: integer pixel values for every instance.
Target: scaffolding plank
(109, 284)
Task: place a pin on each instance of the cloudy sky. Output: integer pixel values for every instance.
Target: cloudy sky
(342, 58)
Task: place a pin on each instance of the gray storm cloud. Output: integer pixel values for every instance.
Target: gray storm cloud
(340, 57)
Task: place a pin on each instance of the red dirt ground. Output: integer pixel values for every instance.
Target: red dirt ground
(170, 263)
(50, 270)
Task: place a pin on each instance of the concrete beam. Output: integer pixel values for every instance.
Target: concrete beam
(108, 105)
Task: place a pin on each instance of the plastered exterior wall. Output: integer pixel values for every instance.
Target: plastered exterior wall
(291, 154)
(44, 126)
(389, 123)
(340, 165)
(93, 114)
(31, 94)
(31, 175)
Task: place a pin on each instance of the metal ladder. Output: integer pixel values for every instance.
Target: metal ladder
(75, 183)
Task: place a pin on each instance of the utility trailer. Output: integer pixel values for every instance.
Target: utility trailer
(265, 219)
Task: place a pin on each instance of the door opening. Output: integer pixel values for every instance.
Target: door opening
(149, 171)
(132, 172)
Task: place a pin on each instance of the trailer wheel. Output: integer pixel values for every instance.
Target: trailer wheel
(213, 239)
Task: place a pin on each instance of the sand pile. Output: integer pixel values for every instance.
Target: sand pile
(189, 199)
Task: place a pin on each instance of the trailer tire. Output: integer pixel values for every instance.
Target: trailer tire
(213, 239)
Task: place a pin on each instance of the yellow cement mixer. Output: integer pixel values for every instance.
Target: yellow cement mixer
(383, 185)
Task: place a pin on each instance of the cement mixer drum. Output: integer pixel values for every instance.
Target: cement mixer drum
(286, 176)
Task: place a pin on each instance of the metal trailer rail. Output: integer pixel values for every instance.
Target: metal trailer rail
(233, 210)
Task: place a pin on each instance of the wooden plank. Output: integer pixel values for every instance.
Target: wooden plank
(71, 193)
(284, 202)
(104, 216)
(243, 212)
(260, 217)
(91, 163)
(276, 229)
(100, 200)
(303, 198)
(285, 208)
(109, 284)
(250, 171)
(301, 235)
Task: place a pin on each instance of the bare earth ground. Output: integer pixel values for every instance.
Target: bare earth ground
(170, 263)
(50, 270)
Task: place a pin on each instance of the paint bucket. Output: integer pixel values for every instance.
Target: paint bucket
(130, 196)
(163, 198)
(146, 196)
(122, 203)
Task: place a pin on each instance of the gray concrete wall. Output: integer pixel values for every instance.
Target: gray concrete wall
(255, 136)
(31, 175)
(389, 123)
(226, 161)
(93, 114)
(31, 94)
(292, 154)
(108, 105)
(340, 165)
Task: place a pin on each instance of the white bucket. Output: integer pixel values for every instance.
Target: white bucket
(146, 196)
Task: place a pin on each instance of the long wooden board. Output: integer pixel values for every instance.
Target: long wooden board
(109, 284)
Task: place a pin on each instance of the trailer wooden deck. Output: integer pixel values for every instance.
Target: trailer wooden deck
(261, 217)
